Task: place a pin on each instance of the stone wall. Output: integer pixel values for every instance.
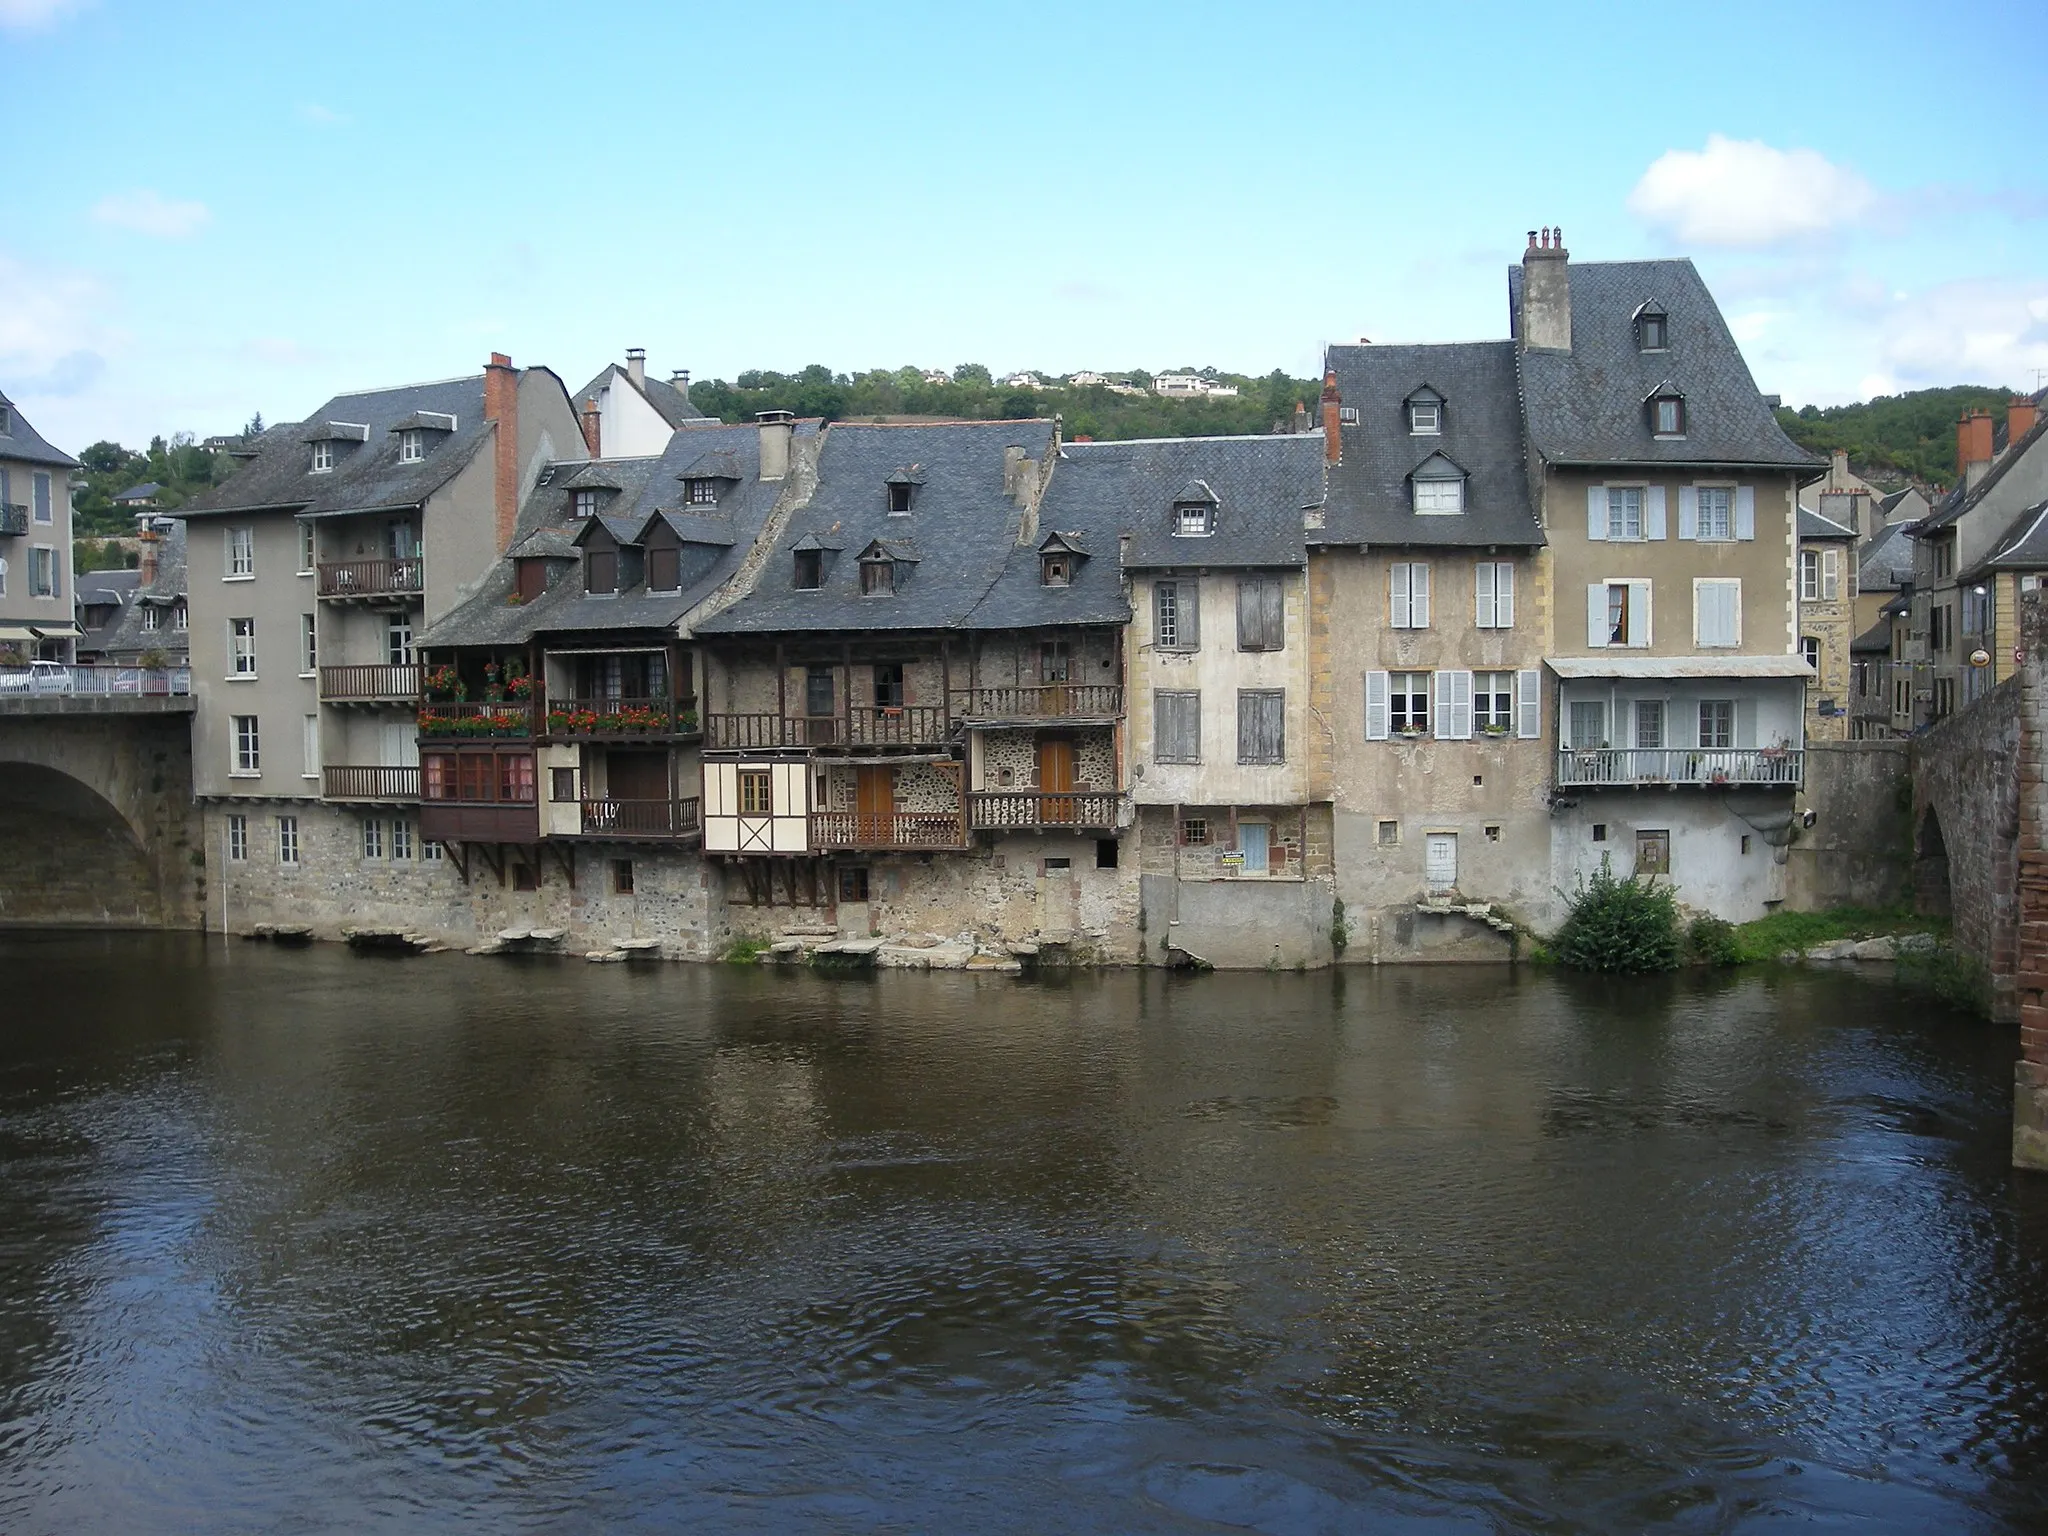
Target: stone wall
(1965, 829)
(2030, 959)
(1859, 850)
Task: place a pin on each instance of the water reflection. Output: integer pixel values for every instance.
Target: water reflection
(300, 1240)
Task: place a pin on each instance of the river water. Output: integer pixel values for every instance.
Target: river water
(306, 1241)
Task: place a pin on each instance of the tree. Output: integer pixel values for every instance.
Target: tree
(973, 375)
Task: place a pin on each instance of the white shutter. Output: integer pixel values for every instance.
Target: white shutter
(1454, 705)
(1377, 708)
(1653, 512)
(1420, 579)
(1830, 574)
(1745, 511)
(1529, 704)
(1399, 613)
(1596, 511)
(1485, 607)
(1639, 613)
(1745, 722)
(1504, 595)
(1734, 608)
(1688, 512)
(1596, 614)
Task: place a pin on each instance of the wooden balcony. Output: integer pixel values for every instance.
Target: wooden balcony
(642, 820)
(369, 784)
(1006, 810)
(370, 578)
(446, 717)
(883, 831)
(459, 821)
(615, 718)
(372, 684)
(1034, 703)
(864, 727)
(1779, 767)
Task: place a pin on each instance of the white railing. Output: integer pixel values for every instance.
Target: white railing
(1680, 765)
(56, 679)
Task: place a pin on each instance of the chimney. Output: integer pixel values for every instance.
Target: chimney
(680, 378)
(1838, 472)
(1333, 444)
(1013, 462)
(149, 539)
(1973, 445)
(501, 405)
(2020, 415)
(593, 424)
(1300, 418)
(636, 366)
(1546, 293)
(777, 428)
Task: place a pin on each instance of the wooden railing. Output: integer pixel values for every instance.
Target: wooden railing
(446, 717)
(640, 818)
(1680, 765)
(994, 810)
(1041, 701)
(620, 717)
(866, 725)
(372, 783)
(888, 829)
(376, 683)
(369, 578)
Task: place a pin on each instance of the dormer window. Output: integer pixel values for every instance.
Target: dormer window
(6, 422)
(1653, 329)
(583, 503)
(877, 576)
(700, 492)
(1439, 498)
(899, 496)
(1667, 415)
(1347, 415)
(1055, 570)
(412, 446)
(1193, 520)
(810, 570)
(323, 458)
(664, 568)
(601, 572)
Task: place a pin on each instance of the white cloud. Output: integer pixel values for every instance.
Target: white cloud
(33, 15)
(151, 213)
(325, 117)
(1979, 331)
(1742, 192)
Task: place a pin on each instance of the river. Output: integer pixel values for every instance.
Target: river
(306, 1241)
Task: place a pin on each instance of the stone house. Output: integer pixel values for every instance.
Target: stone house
(37, 621)
(1827, 618)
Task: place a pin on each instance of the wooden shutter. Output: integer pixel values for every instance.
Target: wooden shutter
(1596, 614)
(1639, 613)
(1653, 512)
(1688, 512)
(1399, 610)
(1418, 582)
(1745, 511)
(1504, 594)
(1830, 574)
(1261, 726)
(1454, 706)
(1596, 511)
(1273, 613)
(1378, 707)
(1250, 635)
(1484, 607)
(1529, 704)
(1177, 726)
(1190, 614)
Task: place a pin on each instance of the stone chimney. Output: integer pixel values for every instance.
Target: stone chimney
(1333, 443)
(1838, 469)
(151, 542)
(2020, 415)
(593, 427)
(1973, 445)
(501, 406)
(777, 428)
(636, 366)
(1300, 418)
(1546, 293)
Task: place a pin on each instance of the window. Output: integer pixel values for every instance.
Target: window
(1439, 496)
(561, 784)
(1599, 831)
(401, 838)
(1667, 416)
(1194, 831)
(853, 882)
(309, 747)
(242, 647)
(288, 841)
(701, 492)
(181, 617)
(1944, 556)
(1715, 506)
(1649, 724)
(1408, 595)
(583, 503)
(877, 577)
(601, 572)
(309, 645)
(1347, 415)
(1625, 512)
(1809, 648)
(323, 458)
(1717, 612)
(1425, 418)
(1831, 575)
(44, 511)
(1261, 622)
(1940, 631)
(42, 572)
(1106, 851)
(1261, 725)
(1193, 520)
(241, 548)
(398, 640)
(810, 570)
(247, 759)
(307, 548)
(1493, 702)
(1055, 570)
(1176, 616)
(431, 853)
(1944, 697)
(373, 837)
(899, 496)
(1653, 330)
(6, 422)
(1494, 600)
(1809, 575)
(1653, 853)
(1177, 726)
(1390, 834)
(622, 877)
(1588, 719)
(238, 839)
(888, 678)
(1408, 702)
(755, 797)
(1617, 613)
(152, 616)
(1717, 723)
(411, 446)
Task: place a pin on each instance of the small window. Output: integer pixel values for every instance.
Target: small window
(853, 882)
(238, 839)
(309, 645)
(1809, 647)
(664, 569)
(45, 505)
(1653, 853)
(583, 503)
(1667, 416)
(431, 853)
(877, 578)
(1599, 831)
(1390, 834)
(412, 446)
(1653, 331)
(1717, 723)
(810, 570)
(288, 841)
(1439, 498)
(1617, 612)
(888, 684)
(899, 496)
(181, 617)
(1055, 570)
(1745, 842)
(622, 877)
(1193, 520)
(525, 878)
(1347, 415)
(601, 572)
(401, 838)
(755, 795)
(323, 458)
(701, 492)
(1425, 418)
(1194, 831)
(561, 784)
(1493, 831)
(1408, 700)
(306, 548)
(1106, 849)
(151, 617)
(373, 837)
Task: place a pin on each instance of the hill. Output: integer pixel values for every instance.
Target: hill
(180, 466)
(1895, 437)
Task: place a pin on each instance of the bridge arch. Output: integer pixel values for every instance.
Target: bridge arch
(1931, 894)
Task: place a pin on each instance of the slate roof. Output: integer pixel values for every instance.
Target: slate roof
(1262, 485)
(366, 476)
(1887, 560)
(953, 543)
(125, 637)
(671, 404)
(1886, 503)
(1962, 496)
(719, 544)
(23, 442)
(142, 492)
(2025, 545)
(1370, 500)
(1586, 406)
(1813, 526)
(1876, 638)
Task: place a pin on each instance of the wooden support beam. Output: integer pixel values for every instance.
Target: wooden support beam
(493, 855)
(565, 860)
(459, 857)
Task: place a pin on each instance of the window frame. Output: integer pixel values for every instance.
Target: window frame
(700, 491)
(412, 446)
(239, 553)
(238, 838)
(1202, 510)
(1433, 426)
(1416, 716)
(245, 747)
(877, 577)
(1186, 617)
(1436, 486)
(811, 563)
(1493, 594)
(1675, 404)
(1721, 728)
(754, 791)
(1726, 499)
(288, 842)
(1503, 703)
(242, 649)
(321, 461)
(42, 498)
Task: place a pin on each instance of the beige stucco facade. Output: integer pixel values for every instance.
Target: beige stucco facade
(1827, 617)
(35, 563)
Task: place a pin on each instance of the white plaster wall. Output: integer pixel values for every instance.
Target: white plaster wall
(1709, 870)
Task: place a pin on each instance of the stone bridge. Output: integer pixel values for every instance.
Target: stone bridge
(97, 823)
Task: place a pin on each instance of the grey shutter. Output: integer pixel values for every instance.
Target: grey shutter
(1249, 637)
(1653, 512)
(1596, 511)
(1273, 728)
(1273, 613)
(1177, 727)
(1484, 606)
(1190, 614)
(1397, 595)
(1419, 584)
(1454, 705)
(1688, 512)
(1596, 614)
(1639, 613)
(1529, 704)
(1504, 594)
(1745, 511)
(1377, 707)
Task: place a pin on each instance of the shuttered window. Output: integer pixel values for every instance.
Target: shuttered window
(1717, 612)
(1177, 726)
(1454, 705)
(600, 571)
(1408, 595)
(664, 569)
(1261, 622)
(1261, 725)
(1176, 616)
(1528, 704)
(1493, 585)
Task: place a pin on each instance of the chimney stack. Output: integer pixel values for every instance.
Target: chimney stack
(1333, 445)
(636, 366)
(777, 428)
(149, 539)
(1973, 445)
(1300, 417)
(501, 406)
(593, 425)
(681, 379)
(2020, 415)
(1546, 319)
(1838, 472)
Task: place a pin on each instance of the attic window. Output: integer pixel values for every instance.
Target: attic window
(6, 422)
(1667, 415)
(899, 496)
(877, 576)
(323, 458)
(1425, 418)
(1347, 415)
(411, 446)
(1439, 496)
(664, 569)
(810, 570)
(1055, 570)
(1653, 330)
(701, 491)
(583, 503)
(601, 572)
(1193, 520)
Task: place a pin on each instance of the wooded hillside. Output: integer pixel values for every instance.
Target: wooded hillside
(1895, 437)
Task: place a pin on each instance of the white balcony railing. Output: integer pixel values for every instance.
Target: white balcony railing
(1680, 765)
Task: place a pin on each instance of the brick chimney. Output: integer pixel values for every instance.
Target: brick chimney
(636, 366)
(1300, 417)
(1546, 320)
(1973, 445)
(2020, 415)
(501, 405)
(151, 541)
(1333, 443)
(593, 423)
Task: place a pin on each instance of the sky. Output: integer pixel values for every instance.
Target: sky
(219, 209)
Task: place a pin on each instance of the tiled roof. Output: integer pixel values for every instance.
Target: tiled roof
(1887, 560)
(23, 442)
(1876, 638)
(1370, 497)
(2025, 545)
(126, 637)
(1263, 487)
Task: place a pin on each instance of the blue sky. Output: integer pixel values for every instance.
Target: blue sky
(218, 209)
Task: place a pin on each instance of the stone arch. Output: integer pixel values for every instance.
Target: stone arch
(72, 857)
(1931, 897)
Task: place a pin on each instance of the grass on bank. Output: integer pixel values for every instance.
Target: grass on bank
(1769, 937)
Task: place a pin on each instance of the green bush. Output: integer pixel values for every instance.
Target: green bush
(1619, 924)
(1958, 979)
(1340, 935)
(1711, 941)
(744, 951)
(1769, 937)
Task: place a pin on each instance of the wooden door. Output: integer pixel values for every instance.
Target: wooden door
(1055, 664)
(637, 775)
(1056, 780)
(874, 805)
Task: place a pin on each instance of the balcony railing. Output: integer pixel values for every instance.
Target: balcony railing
(888, 829)
(640, 818)
(63, 679)
(447, 717)
(620, 717)
(867, 725)
(13, 520)
(369, 578)
(370, 684)
(372, 783)
(1000, 809)
(1041, 701)
(1680, 765)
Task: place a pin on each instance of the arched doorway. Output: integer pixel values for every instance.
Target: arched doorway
(1930, 868)
(70, 856)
